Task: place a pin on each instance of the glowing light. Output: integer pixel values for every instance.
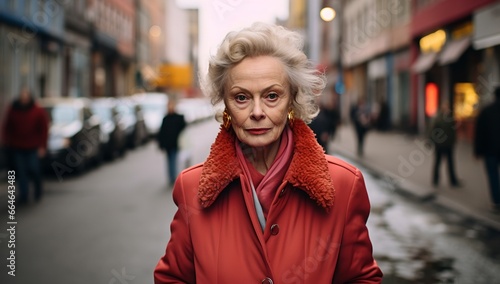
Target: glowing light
(327, 14)
(466, 100)
(433, 42)
(155, 31)
(431, 99)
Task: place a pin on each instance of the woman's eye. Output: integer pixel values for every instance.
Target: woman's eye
(240, 98)
(272, 96)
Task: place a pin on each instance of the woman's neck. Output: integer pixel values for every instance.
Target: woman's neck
(262, 157)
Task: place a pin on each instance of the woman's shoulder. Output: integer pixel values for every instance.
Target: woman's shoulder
(187, 182)
(347, 179)
(191, 172)
(344, 175)
(342, 166)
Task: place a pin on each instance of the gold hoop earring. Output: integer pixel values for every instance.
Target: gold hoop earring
(226, 120)
(291, 117)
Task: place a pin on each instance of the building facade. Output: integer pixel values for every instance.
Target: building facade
(150, 41)
(77, 50)
(113, 47)
(375, 57)
(32, 38)
(451, 61)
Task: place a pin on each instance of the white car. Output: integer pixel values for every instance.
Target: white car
(154, 107)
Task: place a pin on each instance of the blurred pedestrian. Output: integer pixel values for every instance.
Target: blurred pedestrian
(383, 119)
(361, 118)
(443, 135)
(267, 198)
(321, 126)
(333, 115)
(25, 133)
(168, 138)
(487, 145)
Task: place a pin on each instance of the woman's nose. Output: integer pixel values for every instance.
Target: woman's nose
(257, 111)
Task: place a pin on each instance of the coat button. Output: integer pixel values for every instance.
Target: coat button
(267, 280)
(275, 229)
(282, 193)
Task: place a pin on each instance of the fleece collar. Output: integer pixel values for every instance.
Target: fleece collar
(308, 169)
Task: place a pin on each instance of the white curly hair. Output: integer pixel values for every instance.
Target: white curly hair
(260, 39)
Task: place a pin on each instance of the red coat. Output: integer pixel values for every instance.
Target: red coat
(315, 230)
(26, 128)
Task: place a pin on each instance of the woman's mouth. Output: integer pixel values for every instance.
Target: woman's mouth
(258, 131)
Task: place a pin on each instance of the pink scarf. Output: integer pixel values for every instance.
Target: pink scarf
(266, 188)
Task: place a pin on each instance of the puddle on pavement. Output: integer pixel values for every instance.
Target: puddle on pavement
(419, 244)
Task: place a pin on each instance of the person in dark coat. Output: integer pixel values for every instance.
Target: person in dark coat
(383, 119)
(443, 136)
(25, 134)
(325, 124)
(168, 138)
(487, 145)
(321, 126)
(361, 118)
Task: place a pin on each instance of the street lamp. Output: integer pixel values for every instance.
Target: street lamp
(327, 14)
(155, 31)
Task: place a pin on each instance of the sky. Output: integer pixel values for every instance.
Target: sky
(218, 17)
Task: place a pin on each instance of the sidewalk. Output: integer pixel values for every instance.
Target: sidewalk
(405, 162)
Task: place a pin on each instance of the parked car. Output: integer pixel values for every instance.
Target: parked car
(114, 141)
(154, 107)
(74, 135)
(132, 118)
(195, 109)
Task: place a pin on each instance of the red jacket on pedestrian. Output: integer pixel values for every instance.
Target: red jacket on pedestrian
(26, 127)
(315, 230)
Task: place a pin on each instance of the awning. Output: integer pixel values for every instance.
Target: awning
(487, 26)
(454, 50)
(487, 42)
(424, 62)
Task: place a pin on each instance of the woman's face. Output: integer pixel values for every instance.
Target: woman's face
(257, 96)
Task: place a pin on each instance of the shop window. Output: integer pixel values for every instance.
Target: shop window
(465, 101)
(431, 99)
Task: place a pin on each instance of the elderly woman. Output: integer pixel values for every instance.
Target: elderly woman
(268, 206)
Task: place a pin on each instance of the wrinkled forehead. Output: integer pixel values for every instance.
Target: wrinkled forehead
(257, 69)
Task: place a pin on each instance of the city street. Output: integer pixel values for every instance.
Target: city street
(111, 225)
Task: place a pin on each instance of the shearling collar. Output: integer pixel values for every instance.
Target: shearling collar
(308, 169)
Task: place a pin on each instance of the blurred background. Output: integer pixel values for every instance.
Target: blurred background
(104, 71)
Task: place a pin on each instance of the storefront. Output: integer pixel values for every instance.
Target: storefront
(429, 78)
(76, 65)
(461, 65)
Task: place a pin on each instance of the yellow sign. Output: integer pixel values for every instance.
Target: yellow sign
(463, 30)
(175, 76)
(433, 42)
(466, 100)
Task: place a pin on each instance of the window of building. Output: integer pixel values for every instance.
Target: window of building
(27, 8)
(11, 5)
